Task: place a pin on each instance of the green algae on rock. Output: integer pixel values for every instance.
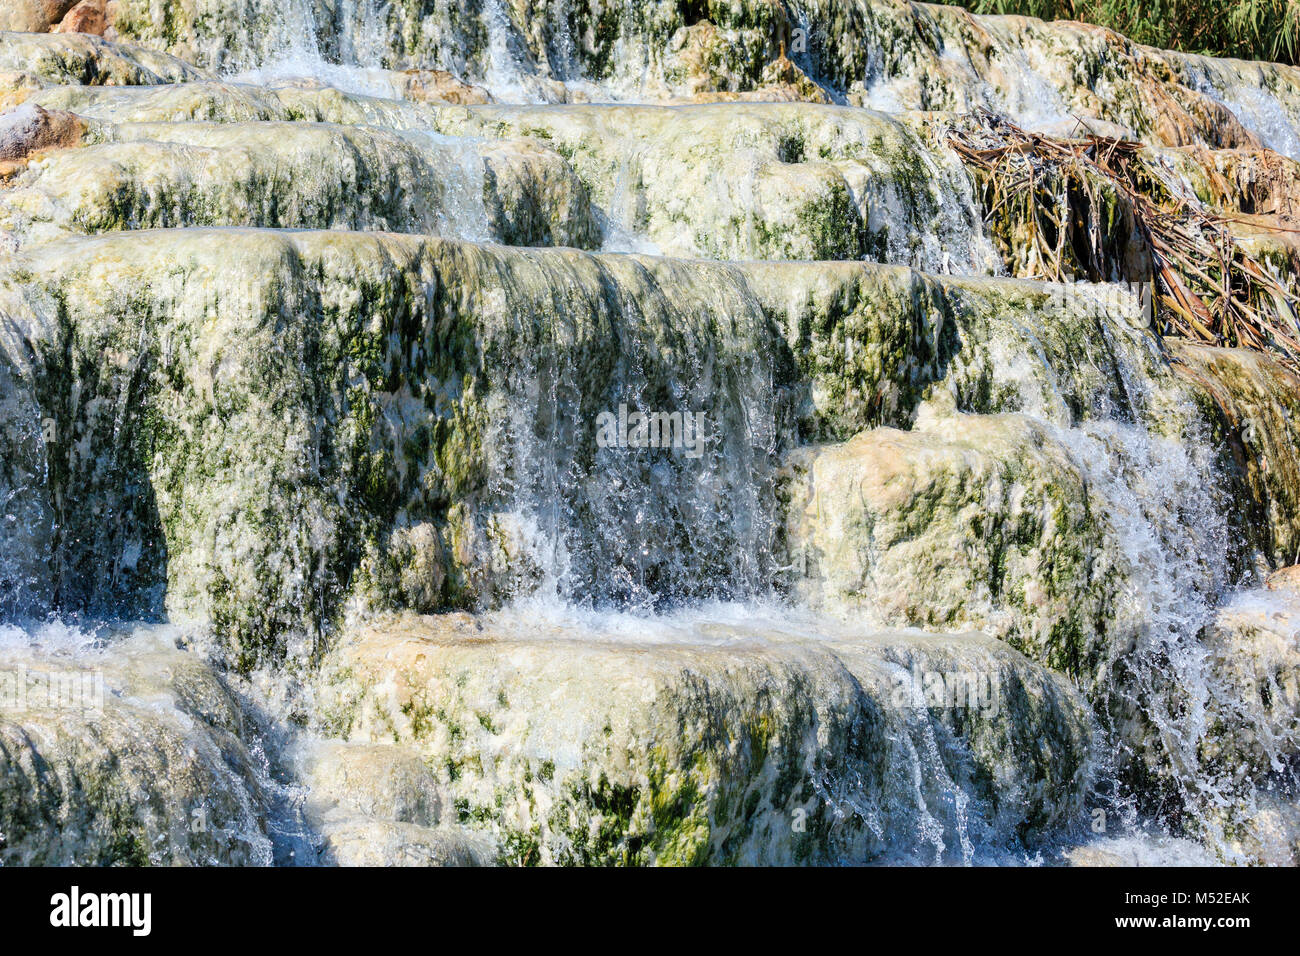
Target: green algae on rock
(301, 176)
(300, 404)
(976, 521)
(36, 61)
(130, 757)
(275, 437)
(718, 745)
(1252, 401)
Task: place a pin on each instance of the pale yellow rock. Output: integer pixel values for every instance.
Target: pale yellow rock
(680, 741)
(275, 435)
(15, 87)
(799, 181)
(1268, 832)
(380, 805)
(807, 181)
(970, 521)
(1284, 579)
(1140, 850)
(76, 58)
(134, 753)
(1257, 402)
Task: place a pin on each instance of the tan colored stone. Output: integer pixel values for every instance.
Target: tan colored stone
(29, 129)
(782, 73)
(1182, 117)
(33, 16)
(1284, 579)
(440, 86)
(88, 16)
(1254, 182)
(699, 58)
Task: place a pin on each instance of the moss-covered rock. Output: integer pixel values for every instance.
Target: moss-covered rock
(973, 521)
(130, 756)
(1254, 404)
(761, 181)
(56, 59)
(707, 743)
(279, 435)
(302, 176)
(273, 423)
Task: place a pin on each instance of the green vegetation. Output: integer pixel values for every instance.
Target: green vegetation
(1246, 29)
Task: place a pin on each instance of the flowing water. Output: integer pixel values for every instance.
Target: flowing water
(676, 544)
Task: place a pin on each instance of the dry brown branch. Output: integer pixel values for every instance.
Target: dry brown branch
(1208, 286)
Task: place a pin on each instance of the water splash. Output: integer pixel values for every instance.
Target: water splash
(505, 76)
(1161, 685)
(462, 211)
(1258, 109)
(293, 52)
(644, 527)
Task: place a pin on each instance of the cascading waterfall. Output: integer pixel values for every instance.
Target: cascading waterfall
(26, 522)
(685, 516)
(462, 213)
(618, 223)
(1167, 512)
(291, 44)
(585, 469)
(504, 74)
(365, 41)
(1253, 103)
(563, 52)
(1166, 503)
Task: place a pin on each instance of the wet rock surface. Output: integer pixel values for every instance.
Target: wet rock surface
(713, 744)
(136, 755)
(309, 320)
(29, 129)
